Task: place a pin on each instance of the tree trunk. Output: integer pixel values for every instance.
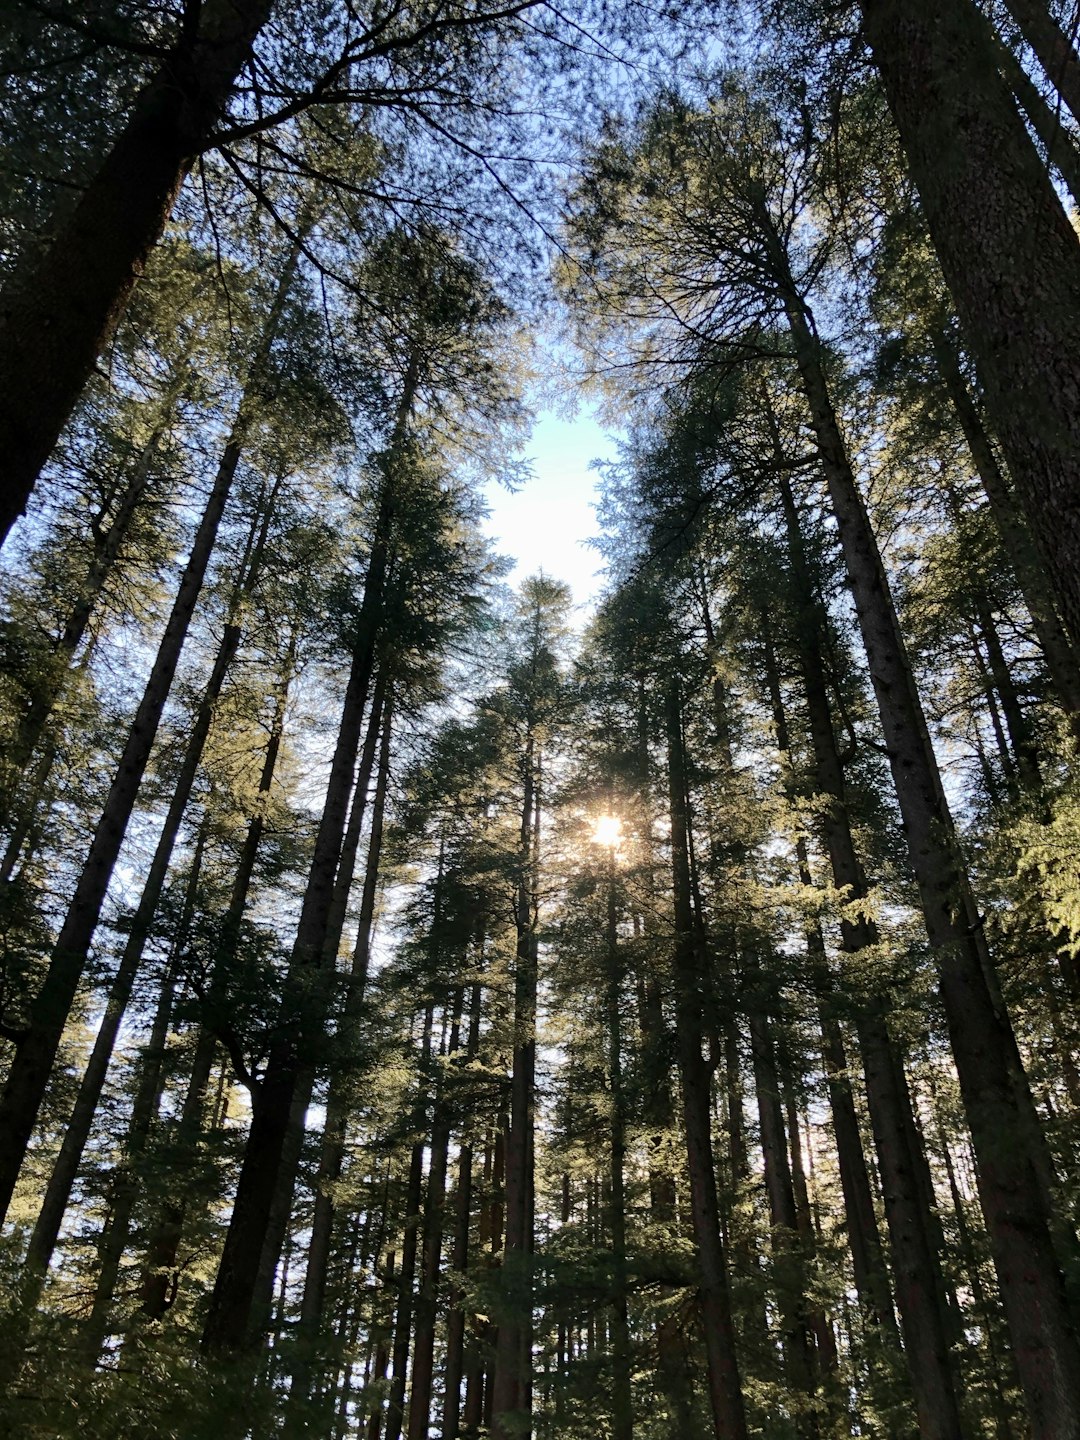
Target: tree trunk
(423, 1369)
(332, 1156)
(160, 1274)
(58, 310)
(265, 1168)
(515, 1320)
(1054, 49)
(143, 1113)
(988, 1066)
(1009, 254)
(622, 1410)
(403, 1318)
(30, 1070)
(788, 1265)
(1015, 536)
(58, 1192)
(691, 990)
(455, 1323)
(867, 1257)
(1060, 147)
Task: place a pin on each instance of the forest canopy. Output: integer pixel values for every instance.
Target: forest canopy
(429, 1012)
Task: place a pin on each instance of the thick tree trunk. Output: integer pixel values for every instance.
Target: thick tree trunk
(58, 311)
(1009, 254)
(691, 988)
(1003, 1124)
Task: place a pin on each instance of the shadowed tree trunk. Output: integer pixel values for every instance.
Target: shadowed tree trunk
(159, 1276)
(59, 309)
(29, 1074)
(691, 984)
(1009, 254)
(58, 1192)
(1013, 1182)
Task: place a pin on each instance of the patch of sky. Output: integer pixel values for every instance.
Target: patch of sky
(547, 523)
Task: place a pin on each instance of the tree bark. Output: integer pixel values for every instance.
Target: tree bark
(59, 309)
(1009, 254)
(508, 1393)
(999, 1112)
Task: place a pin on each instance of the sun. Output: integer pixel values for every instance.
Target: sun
(607, 830)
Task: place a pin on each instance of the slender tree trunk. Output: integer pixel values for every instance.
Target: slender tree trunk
(143, 1113)
(515, 1322)
(915, 1267)
(29, 1073)
(459, 1259)
(30, 1070)
(58, 310)
(107, 544)
(1009, 254)
(691, 981)
(1054, 49)
(423, 1369)
(1015, 536)
(788, 1267)
(266, 1168)
(403, 1318)
(332, 1155)
(58, 1192)
(1061, 151)
(1004, 1127)
(622, 1410)
(160, 1275)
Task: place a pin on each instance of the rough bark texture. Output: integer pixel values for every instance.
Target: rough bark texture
(57, 312)
(1009, 255)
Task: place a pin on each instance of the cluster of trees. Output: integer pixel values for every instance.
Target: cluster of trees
(418, 1017)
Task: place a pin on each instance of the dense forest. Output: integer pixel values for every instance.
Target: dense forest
(426, 1012)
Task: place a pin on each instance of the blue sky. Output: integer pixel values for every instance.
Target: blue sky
(545, 524)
